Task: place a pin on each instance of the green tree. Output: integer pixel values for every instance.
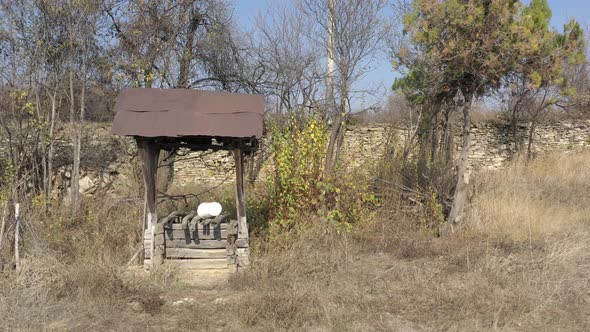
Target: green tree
(539, 82)
(461, 49)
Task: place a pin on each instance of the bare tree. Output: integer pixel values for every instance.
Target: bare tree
(286, 63)
(172, 44)
(81, 22)
(354, 30)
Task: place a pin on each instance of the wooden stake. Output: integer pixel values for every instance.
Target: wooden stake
(16, 236)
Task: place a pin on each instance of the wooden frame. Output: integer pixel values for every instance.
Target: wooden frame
(149, 151)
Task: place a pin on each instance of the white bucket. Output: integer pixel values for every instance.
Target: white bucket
(209, 210)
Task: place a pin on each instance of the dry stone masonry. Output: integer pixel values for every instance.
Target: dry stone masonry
(491, 148)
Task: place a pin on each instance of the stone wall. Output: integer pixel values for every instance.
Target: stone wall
(492, 145)
(491, 148)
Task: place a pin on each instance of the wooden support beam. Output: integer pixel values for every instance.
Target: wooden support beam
(149, 154)
(240, 194)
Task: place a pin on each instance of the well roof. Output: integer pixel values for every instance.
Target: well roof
(183, 112)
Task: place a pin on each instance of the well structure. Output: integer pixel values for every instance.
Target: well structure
(173, 119)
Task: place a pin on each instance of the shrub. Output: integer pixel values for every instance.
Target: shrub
(300, 185)
(426, 180)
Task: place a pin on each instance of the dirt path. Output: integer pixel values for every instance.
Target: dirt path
(196, 300)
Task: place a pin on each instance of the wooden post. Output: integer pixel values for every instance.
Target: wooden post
(17, 235)
(149, 155)
(240, 194)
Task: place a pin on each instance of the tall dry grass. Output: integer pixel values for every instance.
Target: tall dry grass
(519, 261)
(73, 270)
(534, 201)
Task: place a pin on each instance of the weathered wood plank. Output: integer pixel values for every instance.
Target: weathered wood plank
(159, 252)
(202, 244)
(195, 253)
(147, 263)
(199, 226)
(149, 154)
(223, 218)
(159, 239)
(242, 243)
(243, 257)
(233, 227)
(198, 264)
(215, 234)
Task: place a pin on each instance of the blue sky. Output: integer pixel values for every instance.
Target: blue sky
(382, 74)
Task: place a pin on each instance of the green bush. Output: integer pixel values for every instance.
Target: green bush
(300, 186)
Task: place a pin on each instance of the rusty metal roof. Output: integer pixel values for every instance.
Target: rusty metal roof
(183, 112)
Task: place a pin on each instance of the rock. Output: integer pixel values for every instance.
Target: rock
(186, 300)
(85, 184)
(59, 325)
(135, 306)
(220, 301)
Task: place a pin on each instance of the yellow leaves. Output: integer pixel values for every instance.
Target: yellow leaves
(18, 95)
(299, 151)
(571, 91)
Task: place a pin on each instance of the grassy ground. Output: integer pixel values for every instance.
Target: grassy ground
(520, 260)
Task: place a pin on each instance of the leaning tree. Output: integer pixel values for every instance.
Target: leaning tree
(461, 48)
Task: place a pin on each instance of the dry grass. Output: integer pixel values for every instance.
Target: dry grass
(72, 274)
(536, 201)
(519, 261)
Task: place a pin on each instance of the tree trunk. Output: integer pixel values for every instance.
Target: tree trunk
(78, 129)
(334, 133)
(331, 113)
(75, 176)
(340, 142)
(435, 140)
(343, 122)
(165, 170)
(513, 129)
(531, 140)
(447, 139)
(187, 52)
(257, 161)
(43, 146)
(51, 152)
(461, 190)
(331, 70)
(3, 224)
